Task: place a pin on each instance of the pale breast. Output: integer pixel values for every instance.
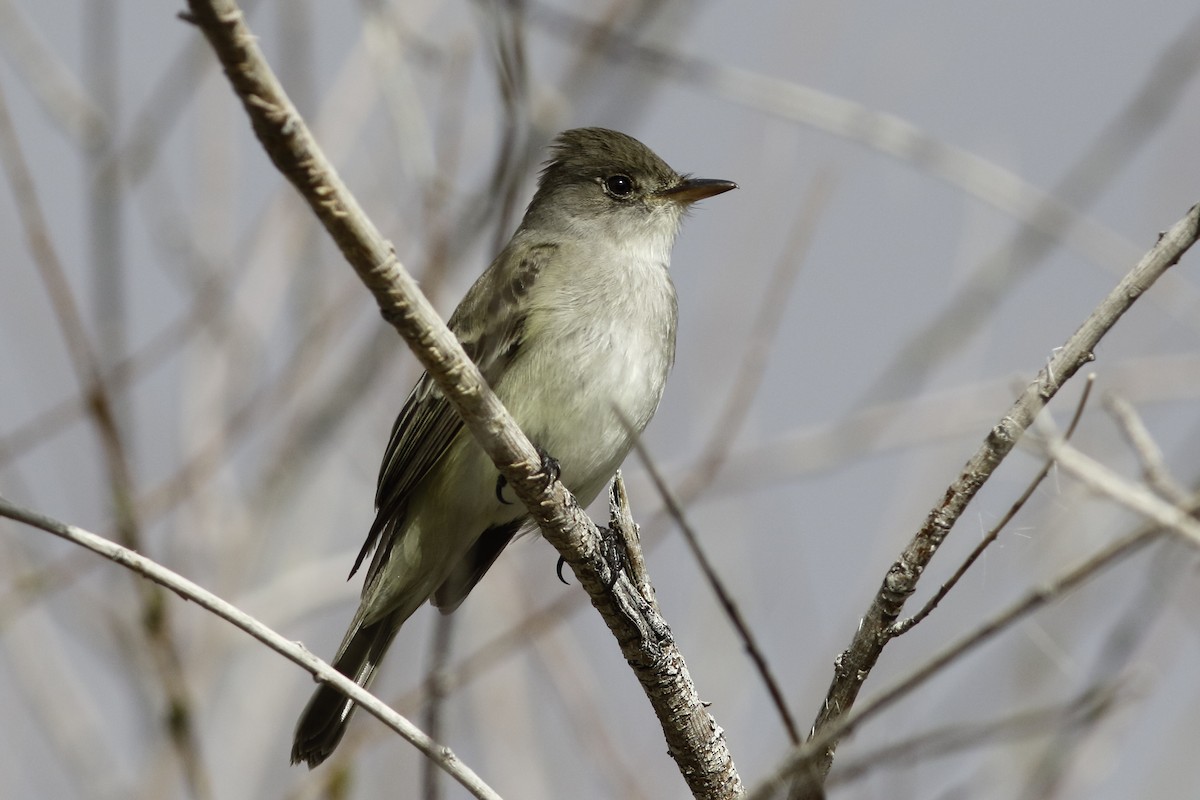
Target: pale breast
(603, 342)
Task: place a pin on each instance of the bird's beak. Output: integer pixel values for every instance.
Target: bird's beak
(690, 190)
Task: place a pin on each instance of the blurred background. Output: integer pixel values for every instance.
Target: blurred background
(933, 197)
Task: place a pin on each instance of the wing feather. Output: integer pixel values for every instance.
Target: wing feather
(490, 323)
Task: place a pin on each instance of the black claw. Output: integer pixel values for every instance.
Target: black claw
(558, 571)
(501, 482)
(550, 466)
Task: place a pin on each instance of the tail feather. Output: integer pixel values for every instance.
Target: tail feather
(397, 585)
(324, 719)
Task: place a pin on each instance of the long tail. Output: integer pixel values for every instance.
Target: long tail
(325, 717)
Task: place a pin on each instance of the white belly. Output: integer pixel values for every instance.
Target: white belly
(588, 361)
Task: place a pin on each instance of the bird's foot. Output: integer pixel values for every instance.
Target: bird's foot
(550, 469)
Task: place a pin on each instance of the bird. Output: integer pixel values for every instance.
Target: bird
(573, 326)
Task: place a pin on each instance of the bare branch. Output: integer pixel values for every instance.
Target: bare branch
(293, 651)
(904, 625)
(50, 80)
(874, 630)
(439, 656)
(620, 517)
(803, 761)
(722, 593)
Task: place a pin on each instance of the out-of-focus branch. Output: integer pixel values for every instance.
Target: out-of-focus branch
(752, 364)
(1093, 704)
(435, 702)
(885, 133)
(694, 739)
(48, 78)
(721, 592)
(1154, 467)
(156, 621)
(1174, 517)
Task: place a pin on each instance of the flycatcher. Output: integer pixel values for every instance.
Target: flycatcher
(573, 326)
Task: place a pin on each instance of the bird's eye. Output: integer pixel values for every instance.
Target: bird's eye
(619, 185)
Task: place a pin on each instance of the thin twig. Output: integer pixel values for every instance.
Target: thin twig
(719, 589)
(1138, 497)
(902, 626)
(872, 634)
(1071, 746)
(802, 761)
(293, 651)
(435, 701)
(1164, 517)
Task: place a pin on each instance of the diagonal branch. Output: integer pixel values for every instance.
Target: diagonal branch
(875, 629)
(1179, 518)
(905, 625)
(293, 651)
(694, 739)
(800, 761)
(720, 591)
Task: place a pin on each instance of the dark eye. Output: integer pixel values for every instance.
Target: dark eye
(619, 185)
